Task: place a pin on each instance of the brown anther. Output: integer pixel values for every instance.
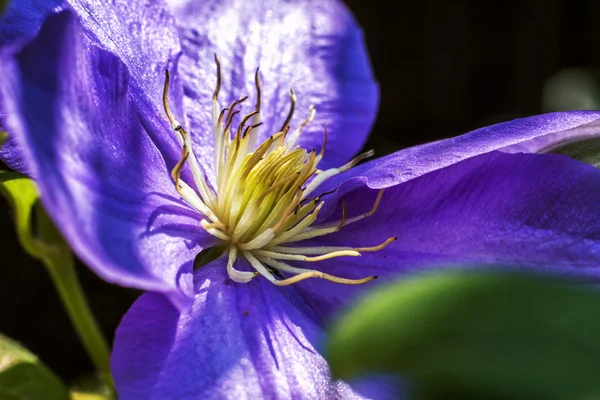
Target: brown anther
(258, 91)
(221, 114)
(250, 128)
(322, 152)
(166, 97)
(218, 86)
(176, 171)
(244, 121)
(229, 118)
(318, 198)
(284, 132)
(352, 163)
(344, 215)
(288, 119)
(232, 107)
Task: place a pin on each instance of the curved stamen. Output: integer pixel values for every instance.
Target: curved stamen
(352, 220)
(258, 266)
(298, 257)
(291, 139)
(299, 227)
(198, 175)
(329, 249)
(213, 231)
(234, 274)
(317, 231)
(185, 191)
(303, 274)
(322, 152)
(172, 120)
(317, 274)
(259, 241)
(186, 144)
(371, 212)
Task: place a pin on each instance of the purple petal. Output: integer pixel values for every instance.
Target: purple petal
(553, 140)
(530, 134)
(101, 176)
(21, 22)
(12, 155)
(314, 47)
(536, 212)
(22, 19)
(141, 32)
(237, 341)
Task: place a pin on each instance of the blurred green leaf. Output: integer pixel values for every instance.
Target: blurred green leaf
(587, 151)
(476, 336)
(3, 4)
(575, 89)
(22, 195)
(24, 377)
(572, 89)
(88, 396)
(91, 387)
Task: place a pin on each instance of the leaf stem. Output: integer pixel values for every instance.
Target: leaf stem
(47, 245)
(60, 265)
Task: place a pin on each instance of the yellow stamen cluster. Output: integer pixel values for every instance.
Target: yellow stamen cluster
(259, 203)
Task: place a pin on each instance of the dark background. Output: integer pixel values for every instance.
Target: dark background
(443, 68)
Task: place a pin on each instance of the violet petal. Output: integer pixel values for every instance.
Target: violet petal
(102, 179)
(144, 36)
(141, 32)
(22, 19)
(526, 211)
(524, 134)
(314, 47)
(237, 341)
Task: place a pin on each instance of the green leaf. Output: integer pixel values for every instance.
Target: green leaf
(22, 194)
(476, 336)
(575, 89)
(587, 151)
(572, 89)
(91, 387)
(24, 377)
(23, 197)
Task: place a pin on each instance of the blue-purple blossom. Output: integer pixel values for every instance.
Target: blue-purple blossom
(81, 100)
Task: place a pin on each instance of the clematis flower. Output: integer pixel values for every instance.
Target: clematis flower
(141, 174)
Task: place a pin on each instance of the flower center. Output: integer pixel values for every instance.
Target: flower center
(260, 204)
